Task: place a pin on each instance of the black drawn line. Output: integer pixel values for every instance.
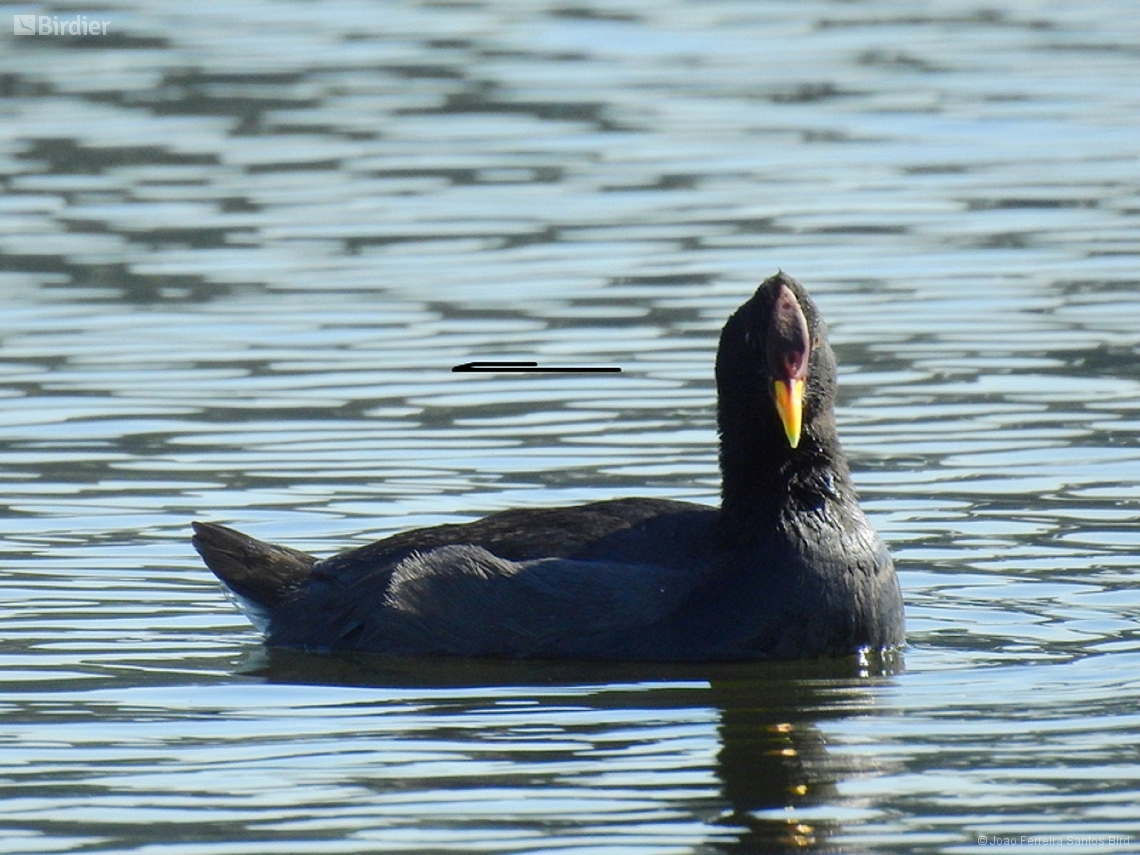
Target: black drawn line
(534, 368)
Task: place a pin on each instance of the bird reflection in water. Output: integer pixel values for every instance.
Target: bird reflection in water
(768, 752)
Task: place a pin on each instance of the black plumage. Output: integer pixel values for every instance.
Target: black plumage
(787, 568)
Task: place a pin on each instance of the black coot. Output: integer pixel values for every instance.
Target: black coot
(787, 568)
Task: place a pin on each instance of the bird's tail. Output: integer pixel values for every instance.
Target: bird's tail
(258, 573)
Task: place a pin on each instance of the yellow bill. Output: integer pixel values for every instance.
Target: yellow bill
(790, 408)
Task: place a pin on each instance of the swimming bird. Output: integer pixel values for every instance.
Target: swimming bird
(788, 567)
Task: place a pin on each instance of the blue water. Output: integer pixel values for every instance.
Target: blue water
(241, 247)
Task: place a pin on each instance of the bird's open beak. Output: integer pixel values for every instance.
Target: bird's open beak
(790, 408)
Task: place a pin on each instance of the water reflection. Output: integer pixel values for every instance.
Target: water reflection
(776, 778)
(241, 247)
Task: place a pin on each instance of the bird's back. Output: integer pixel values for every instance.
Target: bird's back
(585, 582)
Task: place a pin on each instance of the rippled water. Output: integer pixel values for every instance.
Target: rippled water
(241, 246)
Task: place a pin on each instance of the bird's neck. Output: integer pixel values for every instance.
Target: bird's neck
(765, 483)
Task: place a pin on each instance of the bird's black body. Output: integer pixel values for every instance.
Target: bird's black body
(787, 568)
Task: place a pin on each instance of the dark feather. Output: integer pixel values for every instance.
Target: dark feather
(788, 567)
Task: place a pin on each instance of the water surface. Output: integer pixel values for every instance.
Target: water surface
(241, 247)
